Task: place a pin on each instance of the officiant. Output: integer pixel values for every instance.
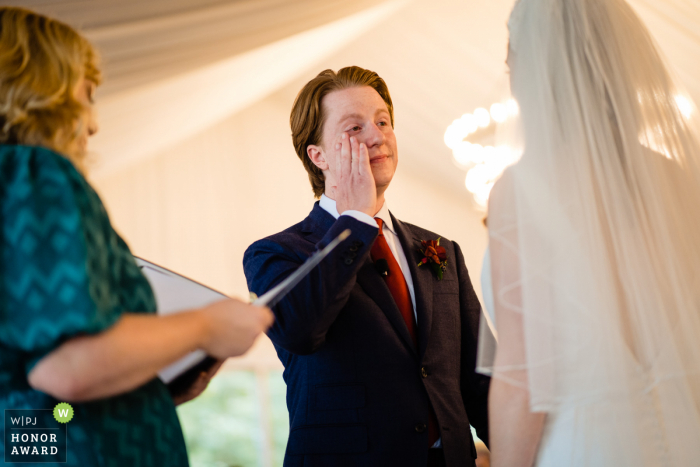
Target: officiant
(77, 318)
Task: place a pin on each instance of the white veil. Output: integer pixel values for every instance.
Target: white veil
(595, 232)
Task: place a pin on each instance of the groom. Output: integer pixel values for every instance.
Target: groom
(379, 353)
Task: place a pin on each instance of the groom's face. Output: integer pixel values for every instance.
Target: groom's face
(361, 112)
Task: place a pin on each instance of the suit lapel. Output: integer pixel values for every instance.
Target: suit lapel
(422, 283)
(373, 284)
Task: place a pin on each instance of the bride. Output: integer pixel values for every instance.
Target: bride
(595, 249)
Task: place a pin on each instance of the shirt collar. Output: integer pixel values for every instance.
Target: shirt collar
(329, 205)
(384, 215)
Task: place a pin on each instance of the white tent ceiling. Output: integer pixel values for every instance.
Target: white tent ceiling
(175, 67)
(144, 41)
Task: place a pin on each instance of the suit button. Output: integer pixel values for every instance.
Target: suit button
(353, 248)
(420, 428)
(424, 372)
(348, 261)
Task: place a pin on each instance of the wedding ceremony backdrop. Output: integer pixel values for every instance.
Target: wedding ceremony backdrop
(194, 159)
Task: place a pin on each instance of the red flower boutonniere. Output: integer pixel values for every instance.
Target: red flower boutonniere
(435, 256)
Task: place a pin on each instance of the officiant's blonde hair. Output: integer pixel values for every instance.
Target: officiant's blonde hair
(307, 117)
(41, 62)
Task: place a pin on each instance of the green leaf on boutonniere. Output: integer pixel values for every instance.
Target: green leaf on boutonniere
(437, 270)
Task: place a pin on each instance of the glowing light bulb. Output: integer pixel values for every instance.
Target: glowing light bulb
(449, 137)
(476, 178)
(476, 153)
(489, 152)
(470, 123)
(684, 105)
(454, 134)
(483, 118)
(499, 113)
(513, 108)
(462, 154)
(482, 195)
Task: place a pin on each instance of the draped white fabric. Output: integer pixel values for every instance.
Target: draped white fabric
(146, 41)
(141, 121)
(173, 69)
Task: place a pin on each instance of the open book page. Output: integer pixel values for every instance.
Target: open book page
(175, 293)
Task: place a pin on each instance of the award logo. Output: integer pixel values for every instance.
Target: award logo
(63, 412)
(37, 435)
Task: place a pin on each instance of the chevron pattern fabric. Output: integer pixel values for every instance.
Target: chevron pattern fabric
(64, 271)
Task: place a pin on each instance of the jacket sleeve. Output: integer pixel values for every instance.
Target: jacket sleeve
(304, 316)
(475, 386)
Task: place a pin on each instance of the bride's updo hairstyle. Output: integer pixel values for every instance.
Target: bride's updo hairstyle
(41, 62)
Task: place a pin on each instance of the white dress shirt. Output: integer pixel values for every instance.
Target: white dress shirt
(392, 239)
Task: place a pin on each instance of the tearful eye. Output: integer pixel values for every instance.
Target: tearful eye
(355, 128)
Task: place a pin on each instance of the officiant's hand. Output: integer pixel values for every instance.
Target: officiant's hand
(199, 385)
(231, 326)
(354, 183)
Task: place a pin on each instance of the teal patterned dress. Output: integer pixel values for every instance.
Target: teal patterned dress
(65, 272)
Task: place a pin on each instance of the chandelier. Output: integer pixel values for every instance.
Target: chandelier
(472, 139)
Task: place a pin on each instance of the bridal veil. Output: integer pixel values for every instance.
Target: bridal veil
(595, 232)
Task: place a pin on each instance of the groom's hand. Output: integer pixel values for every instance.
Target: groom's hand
(355, 189)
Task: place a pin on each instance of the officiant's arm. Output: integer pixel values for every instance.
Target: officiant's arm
(304, 316)
(475, 386)
(133, 350)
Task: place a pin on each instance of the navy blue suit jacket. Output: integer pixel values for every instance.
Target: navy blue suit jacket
(358, 391)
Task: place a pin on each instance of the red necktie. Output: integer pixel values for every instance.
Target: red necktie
(395, 281)
(399, 290)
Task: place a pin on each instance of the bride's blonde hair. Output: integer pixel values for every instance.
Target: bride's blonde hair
(41, 62)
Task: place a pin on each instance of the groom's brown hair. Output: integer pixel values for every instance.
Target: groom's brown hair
(307, 117)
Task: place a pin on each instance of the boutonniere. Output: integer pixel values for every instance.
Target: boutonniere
(435, 256)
